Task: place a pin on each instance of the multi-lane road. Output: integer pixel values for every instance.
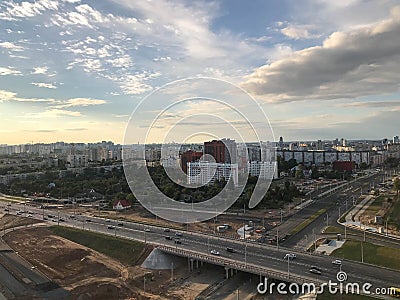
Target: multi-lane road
(265, 256)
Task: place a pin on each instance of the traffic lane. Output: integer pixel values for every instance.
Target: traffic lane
(272, 251)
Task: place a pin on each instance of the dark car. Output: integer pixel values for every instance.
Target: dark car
(316, 268)
(168, 238)
(166, 230)
(315, 271)
(177, 242)
(231, 250)
(88, 220)
(110, 227)
(120, 224)
(178, 234)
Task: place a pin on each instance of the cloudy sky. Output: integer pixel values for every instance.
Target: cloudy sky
(74, 70)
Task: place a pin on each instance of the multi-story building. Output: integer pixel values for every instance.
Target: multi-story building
(204, 172)
(223, 151)
(263, 169)
(77, 161)
(189, 156)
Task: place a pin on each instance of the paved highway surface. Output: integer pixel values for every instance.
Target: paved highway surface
(266, 256)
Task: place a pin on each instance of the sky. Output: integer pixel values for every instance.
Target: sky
(76, 70)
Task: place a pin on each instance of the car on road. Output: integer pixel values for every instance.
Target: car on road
(177, 242)
(178, 234)
(147, 230)
(337, 262)
(110, 227)
(290, 256)
(108, 220)
(167, 230)
(316, 268)
(61, 220)
(29, 216)
(88, 220)
(72, 217)
(231, 250)
(214, 252)
(19, 213)
(120, 224)
(168, 238)
(6, 209)
(315, 271)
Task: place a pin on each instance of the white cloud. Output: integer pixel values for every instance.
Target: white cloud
(364, 61)
(299, 31)
(44, 85)
(40, 70)
(54, 113)
(80, 102)
(27, 9)
(6, 95)
(11, 46)
(8, 71)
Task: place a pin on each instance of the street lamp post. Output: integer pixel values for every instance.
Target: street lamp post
(362, 252)
(245, 255)
(277, 238)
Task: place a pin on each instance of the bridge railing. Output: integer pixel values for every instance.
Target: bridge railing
(241, 266)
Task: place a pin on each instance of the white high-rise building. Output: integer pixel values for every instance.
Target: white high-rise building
(263, 169)
(77, 161)
(204, 172)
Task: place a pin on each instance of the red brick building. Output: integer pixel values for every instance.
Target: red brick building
(189, 156)
(216, 149)
(342, 166)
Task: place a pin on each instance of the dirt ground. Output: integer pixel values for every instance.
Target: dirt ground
(9, 221)
(88, 274)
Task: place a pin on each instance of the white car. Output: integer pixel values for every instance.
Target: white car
(337, 262)
(290, 256)
(147, 230)
(214, 252)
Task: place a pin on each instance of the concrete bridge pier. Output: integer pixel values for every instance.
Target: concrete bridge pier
(191, 264)
(227, 272)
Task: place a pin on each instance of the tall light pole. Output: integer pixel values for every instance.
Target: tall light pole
(362, 252)
(327, 220)
(277, 238)
(288, 267)
(386, 229)
(245, 255)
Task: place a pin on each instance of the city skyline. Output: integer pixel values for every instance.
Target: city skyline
(74, 70)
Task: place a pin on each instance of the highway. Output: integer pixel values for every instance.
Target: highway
(341, 201)
(248, 254)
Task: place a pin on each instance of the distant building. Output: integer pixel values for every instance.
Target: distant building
(121, 205)
(189, 156)
(263, 169)
(77, 161)
(342, 166)
(223, 151)
(204, 172)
